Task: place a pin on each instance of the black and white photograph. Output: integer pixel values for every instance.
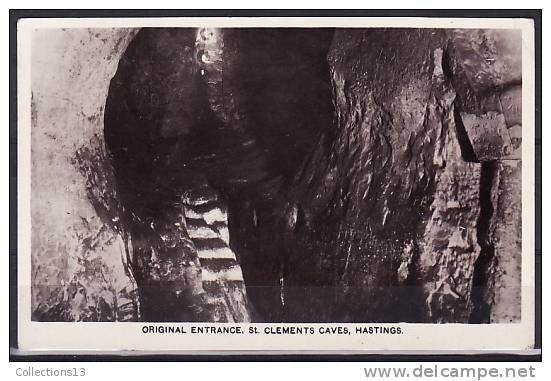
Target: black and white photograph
(298, 175)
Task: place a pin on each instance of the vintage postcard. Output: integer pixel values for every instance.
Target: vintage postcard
(325, 185)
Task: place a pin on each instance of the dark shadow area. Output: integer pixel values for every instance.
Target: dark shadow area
(165, 135)
(481, 308)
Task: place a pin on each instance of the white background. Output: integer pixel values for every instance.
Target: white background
(257, 370)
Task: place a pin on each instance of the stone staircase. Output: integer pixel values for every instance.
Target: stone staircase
(206, 219)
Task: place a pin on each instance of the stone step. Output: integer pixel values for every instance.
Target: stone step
(211, 212)
(213, 248)
(207, 225)
(223, 231)
(201, 195)
(218, 264)
(216, 270)
(213, 288)
(230, 274)
(209, 243)
(198, 228)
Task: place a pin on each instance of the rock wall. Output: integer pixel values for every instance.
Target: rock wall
(79, 247)
(161, 125)
(361, 175)
(399, 213)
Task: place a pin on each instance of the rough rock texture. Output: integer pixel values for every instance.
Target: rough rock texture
(161, 119)
(79, 246)
(391, 217)
(486, 70)
(504, 285)
(220, 110)
(280, 83)
(341, 175)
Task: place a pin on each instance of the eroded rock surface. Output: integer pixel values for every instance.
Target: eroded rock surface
(340, 175)
(162, 127)
(393, 216)
(79, 245)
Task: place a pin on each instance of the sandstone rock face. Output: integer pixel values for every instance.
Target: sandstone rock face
(486, 70)
(504, 282)
(340, 175)
(79, 245)
(162, 116)
(394, 215)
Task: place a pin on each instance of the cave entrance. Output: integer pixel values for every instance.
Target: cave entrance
(207, 128)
